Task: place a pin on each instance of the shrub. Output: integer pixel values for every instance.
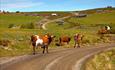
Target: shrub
(11, 25)
(31, 26)
(28, 26)
(17, 11)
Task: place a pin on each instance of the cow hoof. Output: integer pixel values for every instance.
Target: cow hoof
(33, 53)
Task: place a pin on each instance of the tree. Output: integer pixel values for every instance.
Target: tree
(17, 11)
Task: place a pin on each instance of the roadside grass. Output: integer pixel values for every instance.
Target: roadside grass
(102, 61)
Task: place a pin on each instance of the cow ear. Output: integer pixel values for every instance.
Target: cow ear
(53, 36)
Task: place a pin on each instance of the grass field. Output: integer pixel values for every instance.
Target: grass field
(16, 20)
(20, 38)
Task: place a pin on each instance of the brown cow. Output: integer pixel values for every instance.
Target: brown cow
(43, 41)
(5, 42)
(64, 39)
(103, 31)
(78, 38)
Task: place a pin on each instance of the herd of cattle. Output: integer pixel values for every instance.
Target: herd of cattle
(45, 40)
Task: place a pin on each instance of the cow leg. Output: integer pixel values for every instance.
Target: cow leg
(67, 42)
(75, 44)
(47, 48)
(78, 45)
(61, 43)
(33, 50)
(43, 49)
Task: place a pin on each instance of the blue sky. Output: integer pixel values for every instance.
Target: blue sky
(53, 5)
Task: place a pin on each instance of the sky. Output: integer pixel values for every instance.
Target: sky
(53, 5)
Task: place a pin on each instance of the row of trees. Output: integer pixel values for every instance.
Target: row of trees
(8, 11)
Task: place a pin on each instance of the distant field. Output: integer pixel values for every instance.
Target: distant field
(95, 19)
(93, 11)
(20, 38)
(92, 22)
(88, 26)
(16, 19)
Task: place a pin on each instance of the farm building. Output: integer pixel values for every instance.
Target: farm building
(60, 22)
(99, 11)
(81, 15)
(54, 14)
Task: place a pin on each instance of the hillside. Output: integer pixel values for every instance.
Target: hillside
(20, 37)
(97, 10)
(7, 20)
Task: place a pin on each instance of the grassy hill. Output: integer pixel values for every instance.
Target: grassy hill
(92, 21)
(95, 19)
(6, 20)
(97, 10)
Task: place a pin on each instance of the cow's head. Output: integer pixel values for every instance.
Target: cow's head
(34, 38)
(51, 37)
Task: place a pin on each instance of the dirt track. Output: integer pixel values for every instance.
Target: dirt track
(57, 60)
(49, 21)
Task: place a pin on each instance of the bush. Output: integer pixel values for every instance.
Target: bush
(17, 11)
(28, 26)
(11, 25)
(31, 26)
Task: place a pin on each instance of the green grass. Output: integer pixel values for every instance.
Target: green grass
(95, 19)
(16, 19)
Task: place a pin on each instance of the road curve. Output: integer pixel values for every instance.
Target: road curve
(57, 60)
(50, 21)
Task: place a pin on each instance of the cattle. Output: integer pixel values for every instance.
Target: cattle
(78, 38)
(103, 31)
(5, 42)
(64, 39)
(43, 41)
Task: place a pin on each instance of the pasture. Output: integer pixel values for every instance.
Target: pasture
(16, 20)
(20, 37)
